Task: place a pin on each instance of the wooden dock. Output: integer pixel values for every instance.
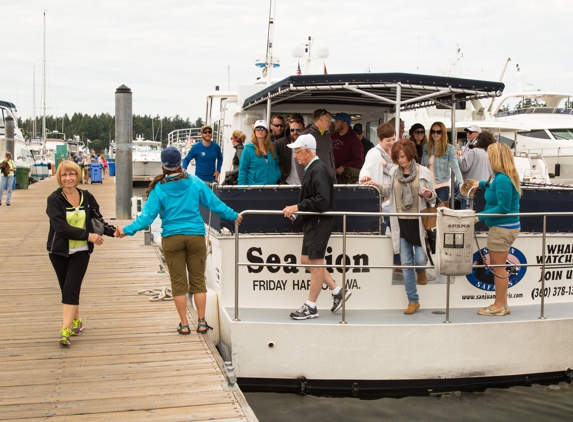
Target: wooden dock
(129, 364)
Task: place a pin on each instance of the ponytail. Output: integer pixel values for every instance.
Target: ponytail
(160, 177)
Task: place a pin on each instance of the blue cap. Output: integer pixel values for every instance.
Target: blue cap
(170, 158)
(344, 117)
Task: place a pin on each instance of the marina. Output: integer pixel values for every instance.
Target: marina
(129, 364)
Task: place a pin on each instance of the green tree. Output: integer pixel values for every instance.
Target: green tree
(529, 103)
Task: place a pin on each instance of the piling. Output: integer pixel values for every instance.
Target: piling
(10, 136)
(123, 152)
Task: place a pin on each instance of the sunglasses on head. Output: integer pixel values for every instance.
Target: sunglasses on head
(323, 112)
(436, 132)
(418, 132)
(295, 130)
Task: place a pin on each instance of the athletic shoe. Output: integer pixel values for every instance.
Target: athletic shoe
(77, 327)
(304, 312)
(65, 334)
(337, 300)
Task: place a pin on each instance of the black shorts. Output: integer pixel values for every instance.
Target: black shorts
(316, 235)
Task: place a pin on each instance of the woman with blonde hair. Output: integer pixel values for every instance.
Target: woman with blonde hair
(440, 157)
(71, 241)
(259, 162)
(502, 196)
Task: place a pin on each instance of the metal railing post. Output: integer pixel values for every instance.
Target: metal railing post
(542, 316)
(343, 269)
(447, 321)
(236, 273)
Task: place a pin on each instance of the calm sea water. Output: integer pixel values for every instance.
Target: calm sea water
(537, 403)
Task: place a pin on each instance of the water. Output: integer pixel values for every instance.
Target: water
(536, 403)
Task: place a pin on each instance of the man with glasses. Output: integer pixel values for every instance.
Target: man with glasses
(207, 155)
(472, 134)
(319, 130)
(277, 127)
(292, 173)
(316, 195)
(366, 144)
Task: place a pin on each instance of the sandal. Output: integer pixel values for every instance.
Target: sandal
(203, 327)
(183, 327)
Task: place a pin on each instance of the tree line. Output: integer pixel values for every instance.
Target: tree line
(100, 129)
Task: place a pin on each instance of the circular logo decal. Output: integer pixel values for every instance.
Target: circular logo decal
(482, 278)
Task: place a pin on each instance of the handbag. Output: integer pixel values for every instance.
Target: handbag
(97, 226)
(429, 223)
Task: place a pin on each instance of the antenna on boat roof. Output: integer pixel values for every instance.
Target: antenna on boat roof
(270, 61)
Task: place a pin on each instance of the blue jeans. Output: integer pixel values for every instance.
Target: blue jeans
(6, 183)
(443, 193)
(411, 255)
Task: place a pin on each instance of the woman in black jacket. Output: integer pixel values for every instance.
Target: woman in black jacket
(71, 240)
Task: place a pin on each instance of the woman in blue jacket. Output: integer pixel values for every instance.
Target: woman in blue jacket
(175, 196)
(259, 163)
(440, 157)
(502, 196)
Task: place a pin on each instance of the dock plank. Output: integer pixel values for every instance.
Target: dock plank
(129, 364)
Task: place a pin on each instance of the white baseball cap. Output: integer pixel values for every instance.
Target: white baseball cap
(261, 123)
(304, 141)
(473, 128)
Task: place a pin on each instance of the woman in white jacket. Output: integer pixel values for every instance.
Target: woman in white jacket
(411, 190)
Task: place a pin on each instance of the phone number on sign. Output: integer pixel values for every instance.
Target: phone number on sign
(552, 291)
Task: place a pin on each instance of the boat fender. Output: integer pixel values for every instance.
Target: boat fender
(212, 314)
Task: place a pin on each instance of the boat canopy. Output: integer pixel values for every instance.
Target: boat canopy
(402, 91)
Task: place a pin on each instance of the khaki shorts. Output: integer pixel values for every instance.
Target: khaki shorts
(185, 254)
(500, 239)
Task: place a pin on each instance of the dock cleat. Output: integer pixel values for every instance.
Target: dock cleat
(337, 301)
(304, 312)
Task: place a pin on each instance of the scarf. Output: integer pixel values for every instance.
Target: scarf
(407, 194)
(385, 157)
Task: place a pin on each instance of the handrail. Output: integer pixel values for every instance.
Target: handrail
(345, 266)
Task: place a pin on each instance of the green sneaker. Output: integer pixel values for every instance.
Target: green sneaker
(77, 327)
(65, 334)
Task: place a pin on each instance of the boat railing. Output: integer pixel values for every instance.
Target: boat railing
(535, 110)
(188, 136)
(344, 267)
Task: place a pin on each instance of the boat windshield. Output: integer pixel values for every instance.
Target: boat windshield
(146, 148)
(564, 134)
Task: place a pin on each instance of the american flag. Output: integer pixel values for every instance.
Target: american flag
(89, 142)
(325, 71)
(298, 72)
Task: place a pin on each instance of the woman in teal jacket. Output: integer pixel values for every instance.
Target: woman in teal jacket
(259, 163)
(175, 196)
(502, 196)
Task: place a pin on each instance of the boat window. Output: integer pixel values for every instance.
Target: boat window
(539, 134)
(565, 134)
(2, 111)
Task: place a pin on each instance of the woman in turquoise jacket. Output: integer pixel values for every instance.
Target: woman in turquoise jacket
(502, 196)
(440, 157)
(259, 163)
(175, 196)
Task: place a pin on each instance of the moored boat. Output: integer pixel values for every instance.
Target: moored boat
(146, 159)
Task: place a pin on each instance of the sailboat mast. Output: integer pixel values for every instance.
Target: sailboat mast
(44, 86)
(34, 103)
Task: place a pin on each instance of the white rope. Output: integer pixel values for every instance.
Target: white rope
(157, 294)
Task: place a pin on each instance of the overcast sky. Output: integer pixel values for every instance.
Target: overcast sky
(172, 52)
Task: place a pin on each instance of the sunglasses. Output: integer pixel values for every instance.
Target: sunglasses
(436, 132)
(419, 132)
(260, 129)
(208, 132)
(278, 125)
(296, 130)
(323, 112)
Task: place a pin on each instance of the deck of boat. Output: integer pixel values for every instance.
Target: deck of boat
(129, 364)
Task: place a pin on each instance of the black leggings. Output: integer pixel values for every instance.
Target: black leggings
(70, 271)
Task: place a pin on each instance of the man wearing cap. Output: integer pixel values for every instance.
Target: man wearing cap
(347, 149)
(292, 172)
(366, 144)
(319, 130)
(207, 155)
(277, 127)
(472, 133)
(316, 195)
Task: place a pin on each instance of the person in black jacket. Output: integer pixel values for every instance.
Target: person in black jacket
(71, 240)
(290, 169)
(316, 195)
(237, 139)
